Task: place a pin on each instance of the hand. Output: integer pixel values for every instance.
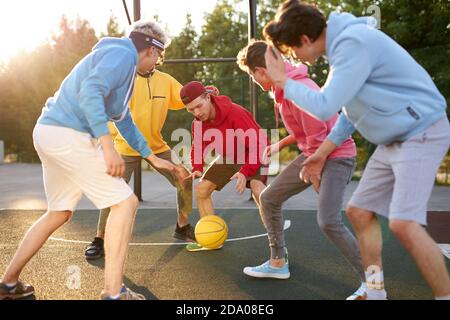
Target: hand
(161, 164)
(180, 174)
(270, 151)
(312, 170)
(275, 67)
(184, 176)
(115, 165)
(240, 183)
(194, 175)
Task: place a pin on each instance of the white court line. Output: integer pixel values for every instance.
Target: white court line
(287, 225)
(163, 208)
(445, 249)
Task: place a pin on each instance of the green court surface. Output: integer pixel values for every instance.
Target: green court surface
(160, 269)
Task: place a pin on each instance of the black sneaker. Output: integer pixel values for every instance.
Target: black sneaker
(95, 250)
(185, 233)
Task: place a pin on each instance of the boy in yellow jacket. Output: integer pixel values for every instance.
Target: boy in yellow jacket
(154, 94)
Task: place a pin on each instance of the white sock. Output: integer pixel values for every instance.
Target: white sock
(375, 285)
(375, 280)
(11, 285)
(376, 294)
(115, 297)
(447, 297)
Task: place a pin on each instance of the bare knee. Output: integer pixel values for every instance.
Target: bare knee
(358, 215)
(130, 203)
(264, 197)
(60, 215)
(257, 188)
(203, 190)
(402, 229)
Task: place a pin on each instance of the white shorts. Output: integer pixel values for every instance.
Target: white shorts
(399, 178)
(73, 165)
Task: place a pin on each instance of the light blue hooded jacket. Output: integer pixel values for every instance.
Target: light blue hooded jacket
(382, 91)
(98, 90)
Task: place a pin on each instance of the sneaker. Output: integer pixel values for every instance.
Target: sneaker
(267, 271)
(198, 247)
(185, 233)
(95, 250)
(125, 294)
(360, 294)
(20, 290)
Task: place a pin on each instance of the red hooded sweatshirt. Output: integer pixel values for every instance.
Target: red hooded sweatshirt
(309, 131)
(233, 134)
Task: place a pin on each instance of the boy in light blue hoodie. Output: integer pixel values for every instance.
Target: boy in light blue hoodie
(392, 101)
(78, 157)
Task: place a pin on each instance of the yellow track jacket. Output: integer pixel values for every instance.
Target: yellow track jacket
(152, 98)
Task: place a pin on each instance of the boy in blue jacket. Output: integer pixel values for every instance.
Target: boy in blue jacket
(78, 157)
(392, 101)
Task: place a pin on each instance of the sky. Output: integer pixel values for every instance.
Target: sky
(24, 24)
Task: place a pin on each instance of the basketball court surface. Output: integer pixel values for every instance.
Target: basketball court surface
(159, 267)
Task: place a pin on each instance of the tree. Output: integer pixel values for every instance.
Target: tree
(112, 28)
(30, 78)
(184, 46)
(223, 35)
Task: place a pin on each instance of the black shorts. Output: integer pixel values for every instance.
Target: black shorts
(220, 174)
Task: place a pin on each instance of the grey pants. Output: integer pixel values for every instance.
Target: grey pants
(336, 175)
(184, 196)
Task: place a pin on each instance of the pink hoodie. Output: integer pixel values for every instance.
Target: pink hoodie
(309, 131)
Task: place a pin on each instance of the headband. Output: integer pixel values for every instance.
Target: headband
(143, 41)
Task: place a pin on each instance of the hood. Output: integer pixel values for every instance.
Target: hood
(223, 107)
(123, 42)
(294, 72)
(338, 22)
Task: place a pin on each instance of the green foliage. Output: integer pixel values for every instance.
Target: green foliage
(112, 28)
(420, 26)
(30, 78)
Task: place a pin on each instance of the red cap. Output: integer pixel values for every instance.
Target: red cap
(191, 91)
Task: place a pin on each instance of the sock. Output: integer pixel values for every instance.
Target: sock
(376, 294)
(375, 280)
(115, 297)
(447, 297)
(11, 285)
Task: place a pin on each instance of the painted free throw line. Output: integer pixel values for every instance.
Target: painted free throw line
(287, 225)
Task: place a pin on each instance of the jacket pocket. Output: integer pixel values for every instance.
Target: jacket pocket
(381, 127)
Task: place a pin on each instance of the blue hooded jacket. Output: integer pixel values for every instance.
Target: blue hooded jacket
(382, 91)
(98, 90)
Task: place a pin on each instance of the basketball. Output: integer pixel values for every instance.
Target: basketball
(211, 231)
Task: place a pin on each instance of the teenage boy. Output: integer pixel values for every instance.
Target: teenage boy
(155, 93)
(230, 130)
(78, 157)
(309, 133)
(392, 101)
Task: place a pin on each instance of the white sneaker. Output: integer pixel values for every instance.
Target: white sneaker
(360, 294)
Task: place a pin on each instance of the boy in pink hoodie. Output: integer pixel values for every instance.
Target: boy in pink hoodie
(309, 133)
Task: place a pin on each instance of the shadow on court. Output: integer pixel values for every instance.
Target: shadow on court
(160, 269)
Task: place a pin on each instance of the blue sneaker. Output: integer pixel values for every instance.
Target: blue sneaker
(267, 271)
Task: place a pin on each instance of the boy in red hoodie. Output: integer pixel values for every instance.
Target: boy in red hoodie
(229, 130)
(309, 133)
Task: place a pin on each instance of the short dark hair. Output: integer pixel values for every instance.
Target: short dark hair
(252, 56)
(294, 19)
